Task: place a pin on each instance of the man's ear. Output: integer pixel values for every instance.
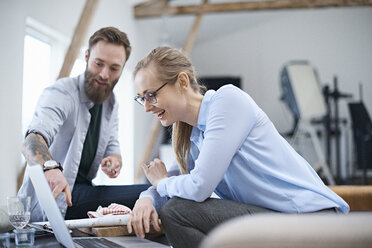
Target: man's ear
(183, 80)
(86, 55)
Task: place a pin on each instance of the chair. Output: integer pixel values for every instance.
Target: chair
(362, 134)
(302, 93)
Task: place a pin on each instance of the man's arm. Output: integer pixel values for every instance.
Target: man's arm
(113, 145)
(36, 151)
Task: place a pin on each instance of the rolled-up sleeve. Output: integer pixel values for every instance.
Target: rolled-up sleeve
(52, 110)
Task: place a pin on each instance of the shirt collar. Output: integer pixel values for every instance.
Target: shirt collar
(204, 109)
(197, 132)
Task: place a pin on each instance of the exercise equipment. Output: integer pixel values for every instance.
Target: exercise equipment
(302, 93)
(362, 134)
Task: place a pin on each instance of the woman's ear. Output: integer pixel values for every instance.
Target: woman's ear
(183, 80)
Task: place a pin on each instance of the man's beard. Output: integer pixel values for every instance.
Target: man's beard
(94, 92)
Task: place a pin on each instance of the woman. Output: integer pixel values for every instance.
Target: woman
(224, 143)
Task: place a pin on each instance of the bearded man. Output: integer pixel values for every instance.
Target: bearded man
(74, 130)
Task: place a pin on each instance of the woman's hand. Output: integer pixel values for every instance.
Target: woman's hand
(139, 220)
(155, 171)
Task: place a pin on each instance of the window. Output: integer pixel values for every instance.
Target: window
(44, 51)
(36, 75)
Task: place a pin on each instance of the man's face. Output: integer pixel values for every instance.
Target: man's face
(104, 66)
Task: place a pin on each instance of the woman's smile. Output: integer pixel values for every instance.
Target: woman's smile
(161, 115)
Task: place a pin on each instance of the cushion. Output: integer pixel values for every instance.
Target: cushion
(292, 230)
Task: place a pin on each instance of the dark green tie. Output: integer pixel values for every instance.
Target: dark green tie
(90, 144)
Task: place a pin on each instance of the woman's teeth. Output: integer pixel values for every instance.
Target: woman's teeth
(161, 114)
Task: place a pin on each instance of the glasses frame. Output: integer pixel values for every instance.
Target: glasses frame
(149, 97)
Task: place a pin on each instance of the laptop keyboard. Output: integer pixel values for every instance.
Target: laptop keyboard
(96, 243)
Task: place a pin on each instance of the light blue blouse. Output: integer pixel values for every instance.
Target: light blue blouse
(237, 153)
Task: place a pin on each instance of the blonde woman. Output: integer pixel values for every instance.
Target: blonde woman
(224, 143)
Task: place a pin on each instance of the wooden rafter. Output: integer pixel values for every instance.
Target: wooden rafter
(153, 4)
(150, 9)
(78, 38)
(193, 32)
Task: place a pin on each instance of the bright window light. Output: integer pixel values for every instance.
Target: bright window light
(36, 75)
(79, 65)
(78, 68)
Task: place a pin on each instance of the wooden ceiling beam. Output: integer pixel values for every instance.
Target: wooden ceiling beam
(78, 38)
(193, 32)
(151, 9)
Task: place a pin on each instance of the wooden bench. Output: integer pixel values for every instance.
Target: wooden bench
(358, 197)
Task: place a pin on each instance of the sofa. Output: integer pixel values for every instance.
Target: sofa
(304, 230)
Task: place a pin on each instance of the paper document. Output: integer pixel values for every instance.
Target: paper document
(107, 220)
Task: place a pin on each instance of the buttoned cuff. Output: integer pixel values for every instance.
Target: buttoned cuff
(162, 188)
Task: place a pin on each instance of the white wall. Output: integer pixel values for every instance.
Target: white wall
(335, 41)
(256, 45)
(11, 44)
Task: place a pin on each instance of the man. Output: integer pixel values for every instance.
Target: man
(74, 130)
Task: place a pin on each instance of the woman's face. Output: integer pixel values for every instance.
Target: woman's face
(168, 107)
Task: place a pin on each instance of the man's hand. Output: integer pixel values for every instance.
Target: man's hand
(139, 220)
(155, 171)
(36, 151)
(111, 165)
(58, 184)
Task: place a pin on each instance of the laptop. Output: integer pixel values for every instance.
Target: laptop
(61, 232)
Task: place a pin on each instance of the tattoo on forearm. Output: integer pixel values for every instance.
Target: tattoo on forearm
(35, 149)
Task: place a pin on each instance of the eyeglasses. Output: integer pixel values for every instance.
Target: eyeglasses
(149, 97)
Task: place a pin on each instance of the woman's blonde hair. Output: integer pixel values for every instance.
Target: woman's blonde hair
(169, 62)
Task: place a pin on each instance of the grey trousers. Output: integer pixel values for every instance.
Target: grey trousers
(186, 222)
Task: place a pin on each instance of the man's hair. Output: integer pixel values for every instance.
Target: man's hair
(111, 35)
